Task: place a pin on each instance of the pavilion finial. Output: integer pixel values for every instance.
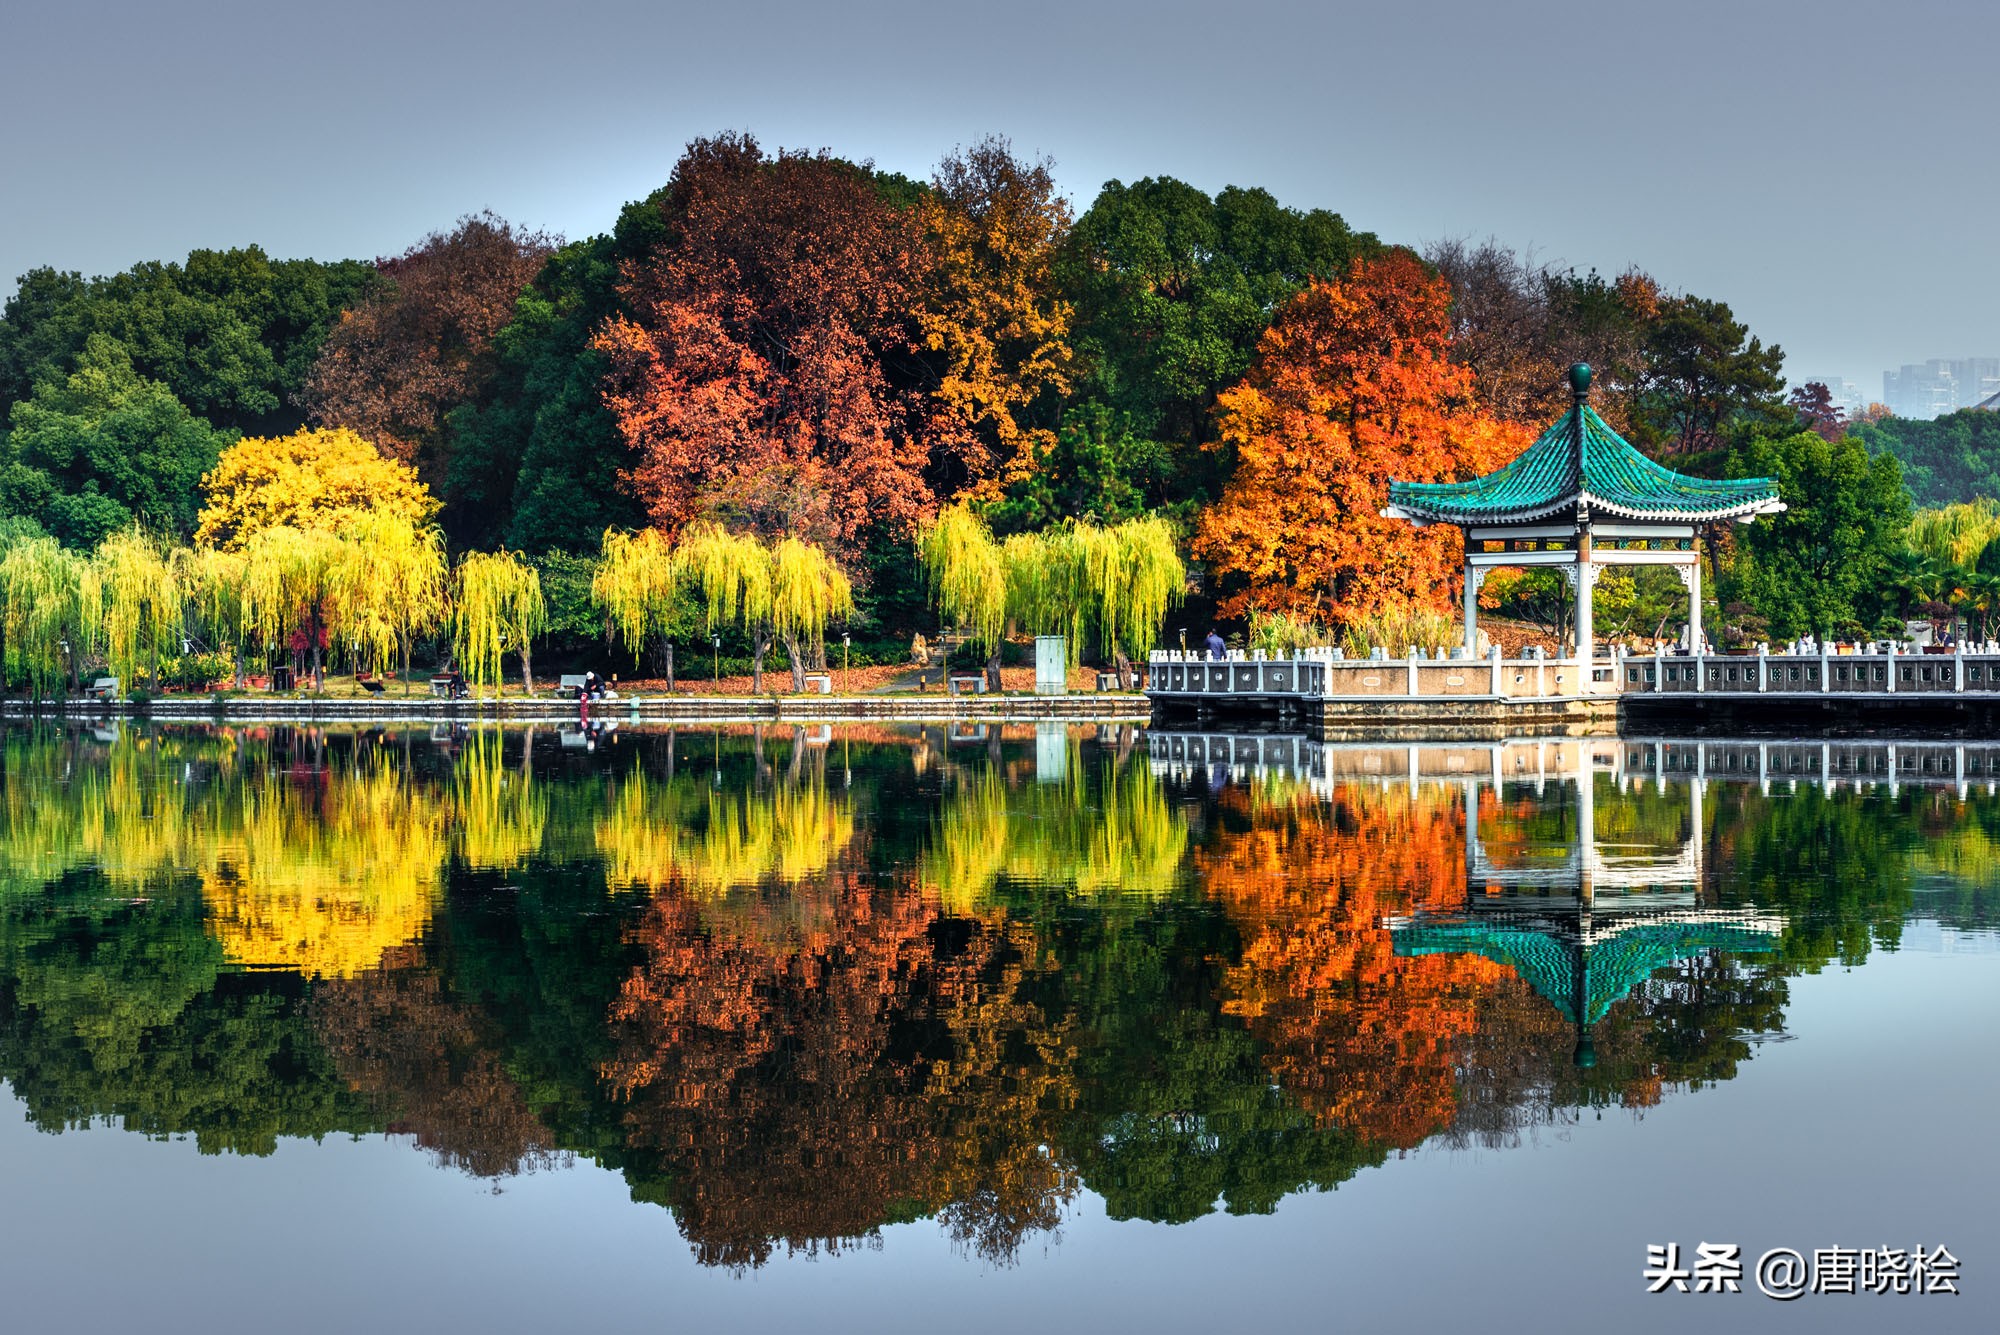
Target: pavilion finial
(1579, 380)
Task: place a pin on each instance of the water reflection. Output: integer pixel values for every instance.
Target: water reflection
(799, 984)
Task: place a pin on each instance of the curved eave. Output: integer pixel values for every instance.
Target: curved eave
(1420, 514)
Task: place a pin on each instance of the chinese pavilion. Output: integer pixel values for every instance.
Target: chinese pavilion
(1579, 499)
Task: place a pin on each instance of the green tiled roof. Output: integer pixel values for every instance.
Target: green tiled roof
(1614, 480)
(1581, 983)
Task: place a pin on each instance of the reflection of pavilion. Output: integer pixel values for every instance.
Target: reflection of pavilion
(1581, 922)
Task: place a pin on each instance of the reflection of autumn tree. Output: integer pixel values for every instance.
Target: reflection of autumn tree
(658, 832)
(809, 1074)
(427, 1063)
(115, 1007)
(1355, 1033)
(324, 873)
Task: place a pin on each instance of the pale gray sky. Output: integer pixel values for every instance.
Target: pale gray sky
(1825, 167)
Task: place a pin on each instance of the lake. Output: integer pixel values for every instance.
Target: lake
(973, 1027)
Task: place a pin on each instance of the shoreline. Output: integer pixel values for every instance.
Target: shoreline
(1108, 707)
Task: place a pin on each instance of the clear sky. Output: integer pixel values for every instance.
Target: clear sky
(1827, 167)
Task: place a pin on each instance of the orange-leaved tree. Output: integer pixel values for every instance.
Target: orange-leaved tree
(1352, 387)
(994, 324)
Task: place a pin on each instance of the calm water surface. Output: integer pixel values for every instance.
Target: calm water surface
(971, 1029)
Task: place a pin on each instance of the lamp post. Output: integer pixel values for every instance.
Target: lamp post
(843, 664)
(715, 670)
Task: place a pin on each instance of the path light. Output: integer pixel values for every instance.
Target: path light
(715, 676)
(845, 684)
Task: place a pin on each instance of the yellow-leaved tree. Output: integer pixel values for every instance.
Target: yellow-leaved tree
(393, 586)
(496, 607)
(318, 479)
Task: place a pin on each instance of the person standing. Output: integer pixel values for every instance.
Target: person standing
(1216, 648)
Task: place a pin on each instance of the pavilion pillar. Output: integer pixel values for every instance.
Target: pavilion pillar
(1585, 632)
(1691, 575)
(1474, 577)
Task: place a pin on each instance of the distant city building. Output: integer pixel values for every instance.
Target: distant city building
(1846, 395)
(1941, 386)
(1991, 405)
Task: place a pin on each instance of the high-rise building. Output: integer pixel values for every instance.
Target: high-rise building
(1940, 386)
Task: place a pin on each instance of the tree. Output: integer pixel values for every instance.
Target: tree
(144, 604)
(1952, 458)
(1517, 325)
(758, 355)
(310, 479)
(1818, 568)
(395, 367)
(294, 583)
(637, 584)
(992, 318)
(808, 590)
(496, 606)
(103, 447)
(1703, 370)
(230, 333)
(1076, 579)
(52, 612)
(732, 574)
(1817, 411)
(1352, 387)
(1172, 292)
(968, 576)
(537, 460)
(394, 586)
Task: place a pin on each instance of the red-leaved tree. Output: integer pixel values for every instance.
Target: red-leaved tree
(767, 369)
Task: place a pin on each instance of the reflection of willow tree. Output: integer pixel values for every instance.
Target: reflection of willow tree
(1358, 1035)
(427, 1063)
(805, 1074)
(313, 858)
(658, 832)
(1107, 833)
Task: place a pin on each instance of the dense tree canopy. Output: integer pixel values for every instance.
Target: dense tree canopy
(395, 366)
(1953, 458)
(1352, 386)
(793, 345)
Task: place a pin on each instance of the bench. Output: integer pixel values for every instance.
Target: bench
(569, 686)
(1108, 681)
(972, 682)
(372, 685)
(819, 681)
(104, 688)
(446, 687)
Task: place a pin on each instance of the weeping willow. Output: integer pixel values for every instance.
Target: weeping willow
(498, 606)
(292, 590)
(731, 572)
(807, 592)
(1110, 587)
(218, 608)
(53, 609)
(1954, 536)
(144, 603)
(396, 592)
(968, 574)
(635, 585)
